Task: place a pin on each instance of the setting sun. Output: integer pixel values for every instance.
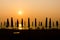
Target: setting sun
(20, 26)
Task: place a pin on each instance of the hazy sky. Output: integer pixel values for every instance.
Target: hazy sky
(30, 8)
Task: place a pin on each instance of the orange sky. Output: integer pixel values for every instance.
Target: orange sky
(30, 8)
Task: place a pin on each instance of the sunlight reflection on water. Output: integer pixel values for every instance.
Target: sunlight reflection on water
(16, 32)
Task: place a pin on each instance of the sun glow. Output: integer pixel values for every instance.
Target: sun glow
(20, 12)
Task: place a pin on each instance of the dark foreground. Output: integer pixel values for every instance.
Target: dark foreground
(29, 34)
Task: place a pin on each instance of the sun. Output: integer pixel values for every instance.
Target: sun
(20, 12)
(20, 27)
